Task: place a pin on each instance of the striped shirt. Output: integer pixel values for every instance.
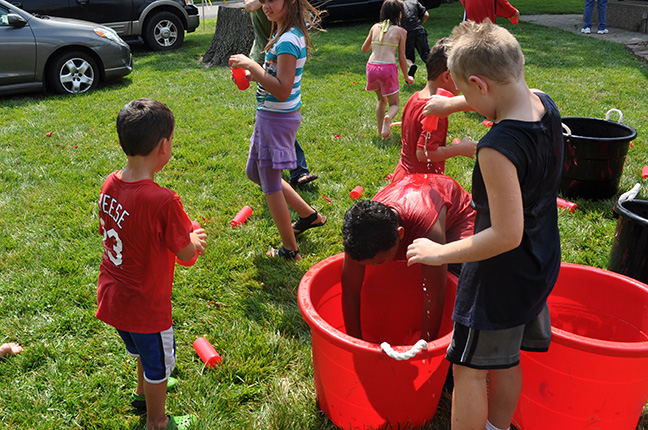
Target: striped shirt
(292, 42)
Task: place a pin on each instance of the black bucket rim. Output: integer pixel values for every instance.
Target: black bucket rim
(633, 132)
(623, 211)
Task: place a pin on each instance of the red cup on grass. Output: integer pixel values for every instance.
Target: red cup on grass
(566, 204)
(356, 192)
(644, 172)
(207, 353)
(241, 216)
(239, 78)
(195, 226)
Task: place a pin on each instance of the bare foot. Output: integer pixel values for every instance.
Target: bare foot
(386, 130)
(9, 349)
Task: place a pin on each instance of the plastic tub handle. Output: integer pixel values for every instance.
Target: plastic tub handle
(607, 115)
(567, 129)
(418, 346)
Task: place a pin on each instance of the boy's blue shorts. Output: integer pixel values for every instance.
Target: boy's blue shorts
(156, 350)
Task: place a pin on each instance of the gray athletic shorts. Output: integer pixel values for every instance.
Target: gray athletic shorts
(499, 349)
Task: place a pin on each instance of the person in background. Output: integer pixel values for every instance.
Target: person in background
(415, 16)
(587, 17)
(479, 10)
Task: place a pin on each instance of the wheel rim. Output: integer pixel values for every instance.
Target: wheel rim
(76, 75)
(165, 33)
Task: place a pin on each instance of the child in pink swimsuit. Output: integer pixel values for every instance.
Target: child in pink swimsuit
(384, 40)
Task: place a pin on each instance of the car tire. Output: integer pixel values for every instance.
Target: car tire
(163, 31)
(73, 72)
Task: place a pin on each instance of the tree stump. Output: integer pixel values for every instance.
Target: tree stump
(233, 35)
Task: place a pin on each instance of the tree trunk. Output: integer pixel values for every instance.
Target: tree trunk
(233, 35)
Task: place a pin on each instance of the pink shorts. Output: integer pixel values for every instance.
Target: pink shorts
(383, 77)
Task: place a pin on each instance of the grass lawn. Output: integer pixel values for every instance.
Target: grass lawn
(74, 372)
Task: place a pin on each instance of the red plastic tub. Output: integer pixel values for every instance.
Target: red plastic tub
(595, 374)
(357, 384)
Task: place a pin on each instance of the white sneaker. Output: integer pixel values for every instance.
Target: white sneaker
(604, 31)
(586, 30)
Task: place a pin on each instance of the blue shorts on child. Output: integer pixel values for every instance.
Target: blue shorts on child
(156, 351)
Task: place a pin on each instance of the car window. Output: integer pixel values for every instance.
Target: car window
(3, 16)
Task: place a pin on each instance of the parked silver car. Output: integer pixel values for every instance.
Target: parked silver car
(61, 55)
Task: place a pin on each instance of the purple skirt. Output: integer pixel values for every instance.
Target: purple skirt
(272, 144)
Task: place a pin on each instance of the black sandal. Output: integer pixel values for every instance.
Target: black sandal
(303, 179)
(303, 224)
(284, 253)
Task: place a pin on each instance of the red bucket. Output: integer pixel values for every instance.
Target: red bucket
(595, 374)
(358, 386)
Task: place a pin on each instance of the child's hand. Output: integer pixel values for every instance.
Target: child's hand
(423, 251)
(241, 61)
(467, 147)
(409, 79)
(438, 105)
(198, 237)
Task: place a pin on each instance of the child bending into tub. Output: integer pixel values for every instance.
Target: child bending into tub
(378, 231)
(513, 259)
(386, 40)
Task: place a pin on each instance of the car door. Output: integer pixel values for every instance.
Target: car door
(19, 45)
(119, 12)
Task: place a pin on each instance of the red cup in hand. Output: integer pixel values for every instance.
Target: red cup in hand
(239, 78)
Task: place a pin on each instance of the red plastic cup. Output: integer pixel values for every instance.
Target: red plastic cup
(207, 353)
(644, 172)
(515, 20)
(195, 226)
(356, 192)
(430, 123)
(242, 216)
(239, 78)
(566, 204)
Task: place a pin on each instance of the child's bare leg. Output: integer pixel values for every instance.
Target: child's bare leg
(140, 378)
(381, 105)
(9, 349)
(504, 390)
(469, 398)
(296, 202)
(393, 101)
(281, 216)
(156, 418)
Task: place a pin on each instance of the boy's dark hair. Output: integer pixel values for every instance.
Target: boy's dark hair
(142, 124)
(369, 228)
(392, 10)
(437, 60)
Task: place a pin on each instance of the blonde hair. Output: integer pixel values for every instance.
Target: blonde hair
(487, 50)
(300, 14)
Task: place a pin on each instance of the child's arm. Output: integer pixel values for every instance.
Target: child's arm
(366, 46)
(445, 106)
(402, 60)
(252, 5)
(197, 244)
(466, 148)
(279, 86)
(352, 280)
(506, 214)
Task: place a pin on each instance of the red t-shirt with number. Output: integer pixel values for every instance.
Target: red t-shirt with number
(143, 226)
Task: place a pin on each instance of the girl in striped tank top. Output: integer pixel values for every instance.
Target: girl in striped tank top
(272, 145)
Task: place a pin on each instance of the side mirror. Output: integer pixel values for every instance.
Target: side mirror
(16, 20)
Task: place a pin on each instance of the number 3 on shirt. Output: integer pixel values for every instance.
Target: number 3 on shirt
(118, 247)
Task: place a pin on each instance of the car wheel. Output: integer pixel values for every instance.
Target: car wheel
(163, 31)
(73, 73)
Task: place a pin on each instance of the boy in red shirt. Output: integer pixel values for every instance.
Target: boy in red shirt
(479, 10)
(426, 151)
(144, 229)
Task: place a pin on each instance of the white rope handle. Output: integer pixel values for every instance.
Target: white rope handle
(418, 346)
(607, 115)
(630, 195)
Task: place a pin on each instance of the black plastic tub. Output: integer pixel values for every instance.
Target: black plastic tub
(629, 255)
(595, 152)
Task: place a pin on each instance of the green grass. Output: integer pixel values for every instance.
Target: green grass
(74, 372)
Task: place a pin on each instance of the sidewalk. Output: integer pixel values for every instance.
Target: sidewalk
(636, 42)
